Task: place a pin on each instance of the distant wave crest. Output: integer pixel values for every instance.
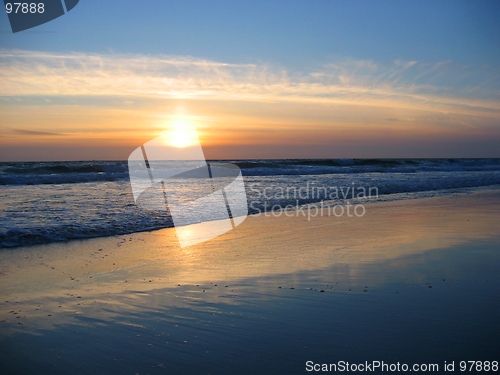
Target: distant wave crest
(80, 172)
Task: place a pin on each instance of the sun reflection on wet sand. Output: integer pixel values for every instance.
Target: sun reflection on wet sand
(145, 281)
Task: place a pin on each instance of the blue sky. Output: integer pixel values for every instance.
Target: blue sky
(290, 33)
(415, 69)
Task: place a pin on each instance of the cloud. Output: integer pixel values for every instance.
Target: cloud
(402, 84)
(396, 119)
(32, 132)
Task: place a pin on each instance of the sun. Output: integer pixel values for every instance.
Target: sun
(182, 134)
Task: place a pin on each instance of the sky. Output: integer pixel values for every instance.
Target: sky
(258, 79)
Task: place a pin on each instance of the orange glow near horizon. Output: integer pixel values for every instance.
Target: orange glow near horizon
(236, 130)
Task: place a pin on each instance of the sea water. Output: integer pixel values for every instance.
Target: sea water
(43, 202)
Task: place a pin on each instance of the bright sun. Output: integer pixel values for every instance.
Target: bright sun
(182, 134)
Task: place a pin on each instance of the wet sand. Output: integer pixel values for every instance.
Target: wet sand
(410, 282)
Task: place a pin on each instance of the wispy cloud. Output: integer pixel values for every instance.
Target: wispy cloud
(396, 119)
(32, 132)
(442, 87)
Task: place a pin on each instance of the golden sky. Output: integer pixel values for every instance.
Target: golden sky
(80, 106)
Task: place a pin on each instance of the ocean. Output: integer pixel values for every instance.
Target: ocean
(43, 202)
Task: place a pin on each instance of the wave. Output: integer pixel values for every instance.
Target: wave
(347, 166)
(42, 173)
(37, 213)
(56, 233)
(35, 173)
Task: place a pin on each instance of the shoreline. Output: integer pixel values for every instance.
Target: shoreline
(326, 204)
(165, 238)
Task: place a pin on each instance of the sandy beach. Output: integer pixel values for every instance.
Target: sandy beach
(413, 281)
